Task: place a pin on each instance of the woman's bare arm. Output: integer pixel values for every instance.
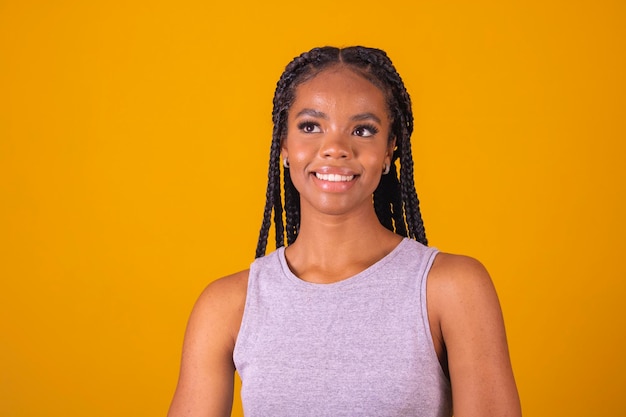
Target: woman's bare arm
(466, 310)
(205, 384)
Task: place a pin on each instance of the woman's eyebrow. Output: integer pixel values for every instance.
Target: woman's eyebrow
(321, 115)
(313, 113)
(365, 116)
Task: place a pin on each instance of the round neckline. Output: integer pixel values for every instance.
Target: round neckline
(346, 281)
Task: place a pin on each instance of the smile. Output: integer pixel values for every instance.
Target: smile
(334, 177)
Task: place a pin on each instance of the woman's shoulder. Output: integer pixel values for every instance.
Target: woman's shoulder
(468, 324)
(233, 285)
(453, 270)
(222, 302)
(226, 292)
(207, 364)
(459, 286)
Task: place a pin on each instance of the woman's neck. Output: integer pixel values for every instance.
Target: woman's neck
(333, 248)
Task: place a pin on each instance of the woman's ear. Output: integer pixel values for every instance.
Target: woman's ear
(283, 153)
(390, 148)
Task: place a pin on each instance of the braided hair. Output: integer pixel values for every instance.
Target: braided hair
(395, 199)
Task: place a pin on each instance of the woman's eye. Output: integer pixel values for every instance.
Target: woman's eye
(365, 131)
(309, 127)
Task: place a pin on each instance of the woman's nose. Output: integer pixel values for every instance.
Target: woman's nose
(336, 145)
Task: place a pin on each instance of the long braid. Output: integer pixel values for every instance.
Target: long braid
(292, 209)
(272, 200)
(407, 175)
(388, 202)
(382, 205)
(395, 200)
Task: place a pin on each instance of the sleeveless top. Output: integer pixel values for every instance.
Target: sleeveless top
(358, 347)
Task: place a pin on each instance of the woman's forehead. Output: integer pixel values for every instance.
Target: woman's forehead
(339, 83)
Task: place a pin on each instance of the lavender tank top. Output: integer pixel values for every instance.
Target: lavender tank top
(358, 347)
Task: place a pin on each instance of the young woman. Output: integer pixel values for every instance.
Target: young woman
(356, 316)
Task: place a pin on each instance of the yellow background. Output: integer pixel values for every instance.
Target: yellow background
(133, 147)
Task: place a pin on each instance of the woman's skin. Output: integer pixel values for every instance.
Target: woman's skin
(337, 145)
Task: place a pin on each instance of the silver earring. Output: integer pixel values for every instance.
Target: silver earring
(286, 162)
(386, 169)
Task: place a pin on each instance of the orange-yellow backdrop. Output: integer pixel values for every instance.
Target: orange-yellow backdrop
(133, 147)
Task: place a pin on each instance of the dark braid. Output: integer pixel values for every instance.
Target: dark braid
(292, 209)
(272, 200)
(395, 200)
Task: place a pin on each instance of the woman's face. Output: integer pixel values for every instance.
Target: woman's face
(337, 141)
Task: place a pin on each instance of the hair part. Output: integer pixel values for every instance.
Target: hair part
(395, 199)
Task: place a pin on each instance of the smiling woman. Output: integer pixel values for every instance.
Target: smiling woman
(356, 316)
(338, 143)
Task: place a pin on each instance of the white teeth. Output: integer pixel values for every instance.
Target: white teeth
(334, 177)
